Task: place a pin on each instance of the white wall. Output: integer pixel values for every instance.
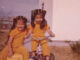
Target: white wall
(65, 19)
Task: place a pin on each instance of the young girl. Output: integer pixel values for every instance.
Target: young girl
(16, 39)
(38, 27)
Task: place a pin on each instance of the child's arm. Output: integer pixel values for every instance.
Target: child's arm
(28, 34)
(51, 33)
(10, 46)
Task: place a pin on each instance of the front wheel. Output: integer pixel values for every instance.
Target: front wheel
(41, 57)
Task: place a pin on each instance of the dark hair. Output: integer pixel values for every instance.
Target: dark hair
(24, 19)
(15, 19)
(33, 15)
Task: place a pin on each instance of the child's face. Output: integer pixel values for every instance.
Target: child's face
(20, 25)
(38, 18)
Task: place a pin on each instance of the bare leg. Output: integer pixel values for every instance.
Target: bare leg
(47, 58)
(33, 53)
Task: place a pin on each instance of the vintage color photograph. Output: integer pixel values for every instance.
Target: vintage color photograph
(39, 29)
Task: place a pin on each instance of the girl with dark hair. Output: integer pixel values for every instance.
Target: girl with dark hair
(16, 40)
(38, 27)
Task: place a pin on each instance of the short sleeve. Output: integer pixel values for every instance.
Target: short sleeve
(12, 33)
(48, 27)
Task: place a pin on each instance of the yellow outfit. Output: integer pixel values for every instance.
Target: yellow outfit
(15, 57)
(40, 33)
(17, 45)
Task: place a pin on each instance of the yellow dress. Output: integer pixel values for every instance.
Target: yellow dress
(15, 57)
(17, 45)
(40, 33)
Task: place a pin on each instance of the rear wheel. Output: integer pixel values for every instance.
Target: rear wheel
(52, 57)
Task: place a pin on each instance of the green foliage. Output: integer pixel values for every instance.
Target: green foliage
(75, 47)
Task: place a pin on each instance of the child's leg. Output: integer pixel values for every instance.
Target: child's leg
(23, 51)
(4, 53)
(45, 49)
(34, 45)
(47, 57)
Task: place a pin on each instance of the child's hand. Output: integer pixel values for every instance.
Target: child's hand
(28, 34)
(51, 33)
(25, 36)
(10, 53)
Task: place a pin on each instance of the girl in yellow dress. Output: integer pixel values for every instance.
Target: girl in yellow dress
(16, 39)
(38, 28)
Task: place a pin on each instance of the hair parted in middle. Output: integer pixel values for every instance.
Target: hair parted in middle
(15, 19)
(36, 12)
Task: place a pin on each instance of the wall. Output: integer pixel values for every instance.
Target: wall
(65, 18)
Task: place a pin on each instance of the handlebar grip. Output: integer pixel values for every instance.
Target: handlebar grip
(41, 38)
